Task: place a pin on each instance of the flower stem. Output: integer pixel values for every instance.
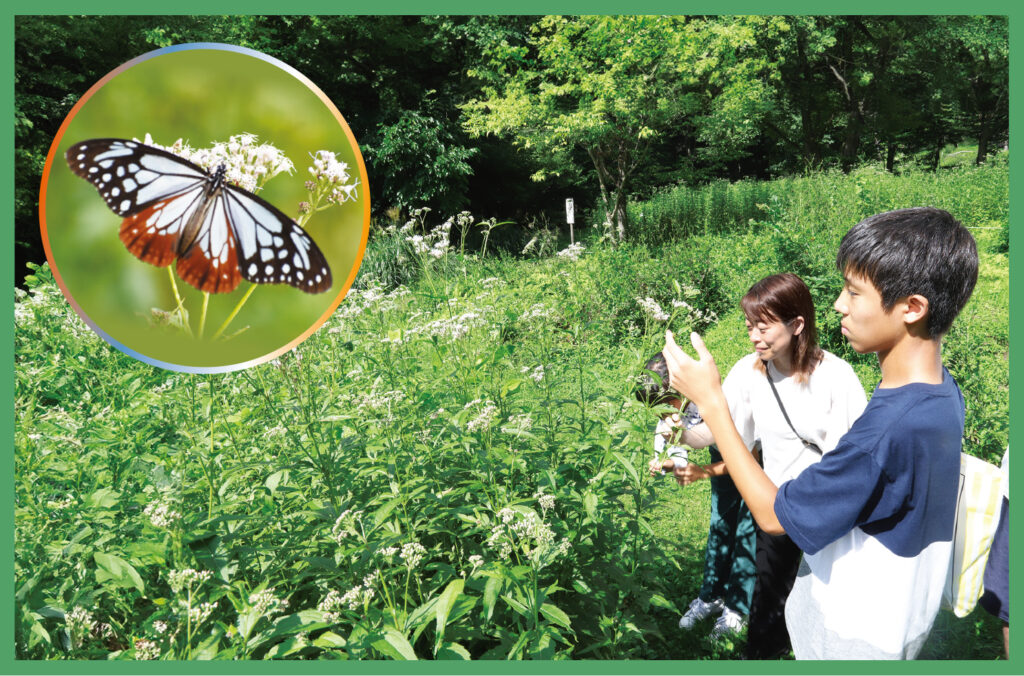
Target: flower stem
(234, 312)
(180, 307)
(202, 317)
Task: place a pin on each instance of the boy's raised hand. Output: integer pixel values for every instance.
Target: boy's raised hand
(697, 380)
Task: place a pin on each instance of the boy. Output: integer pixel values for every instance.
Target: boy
(875, 516)
(729, 563)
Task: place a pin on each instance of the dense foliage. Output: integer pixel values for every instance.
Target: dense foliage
(617, 106)
(453, 466)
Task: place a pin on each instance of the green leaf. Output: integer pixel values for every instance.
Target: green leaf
(556, 615)
(289, 625)
(516, 605)
(274, 480)
(590, 505)
(116, 570)
(491, 590)
(329, 639)
(659, 601)
(444, 607)
(628, 466)
(104, 498)
(453, 651)
(395, 646)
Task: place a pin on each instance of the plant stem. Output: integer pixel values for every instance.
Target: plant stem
(234, 312)
(202, 316)
(180, 307)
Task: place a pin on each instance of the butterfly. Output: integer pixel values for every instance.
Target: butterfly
(175, 210)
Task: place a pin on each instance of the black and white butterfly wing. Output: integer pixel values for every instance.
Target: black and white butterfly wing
(210, 263)
(131, 176)
(163, 198)
(156, 192)
(272, 248)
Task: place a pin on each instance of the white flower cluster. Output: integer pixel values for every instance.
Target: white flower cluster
(695, 313)
(331, 175)
(79, 621)
(652, 308)
(160, 626)
(492, 282)
(482, 422)
(449, 328)
(198, 614)
(380, 401)
(345, 525)
(476, 561)
(275, 432)
(161, 514)
(536, 311)
(186, 578)
(371, 298)
(528, 533)
(146, 649)
(267, 603)
(572, 252)
(63, 503)
(536, 375)
(435, 243)
(412, 554)
(545, 500)
(335, 602)
(247, 164)
(518, 424)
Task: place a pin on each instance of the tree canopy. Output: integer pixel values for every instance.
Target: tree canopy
(462, 112)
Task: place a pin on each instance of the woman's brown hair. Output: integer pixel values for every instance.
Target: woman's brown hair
(783, 298)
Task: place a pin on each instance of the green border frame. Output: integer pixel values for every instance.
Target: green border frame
(9, 665)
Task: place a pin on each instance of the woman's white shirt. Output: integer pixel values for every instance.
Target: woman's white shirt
(822, 409)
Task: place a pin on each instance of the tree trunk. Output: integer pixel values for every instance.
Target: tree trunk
(890, 156)
(984, 136)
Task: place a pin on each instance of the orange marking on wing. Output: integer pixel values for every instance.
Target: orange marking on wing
(211, 275)
(147, 243)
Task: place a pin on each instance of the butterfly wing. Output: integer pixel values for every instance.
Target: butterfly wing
(272, 248)
(152, 234)
(241, 236)
(131, 176)
(211, 262)
(155, 191)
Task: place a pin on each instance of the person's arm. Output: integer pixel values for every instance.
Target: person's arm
(700, 382)
(691, 472)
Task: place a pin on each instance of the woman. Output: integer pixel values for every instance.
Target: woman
(797, 400)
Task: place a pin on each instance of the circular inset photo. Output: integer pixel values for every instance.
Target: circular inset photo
(204, 208)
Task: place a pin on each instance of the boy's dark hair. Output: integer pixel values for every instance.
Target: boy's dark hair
(653, 391)
(922, 250)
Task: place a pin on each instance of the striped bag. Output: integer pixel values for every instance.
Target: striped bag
(979, 499)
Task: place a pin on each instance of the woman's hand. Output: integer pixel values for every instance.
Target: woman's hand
(689, 473)
(697, 380)
(675, 426)
(656, 466)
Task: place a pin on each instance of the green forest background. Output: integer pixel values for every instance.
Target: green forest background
(507, 116)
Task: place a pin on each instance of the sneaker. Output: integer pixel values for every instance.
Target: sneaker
(699, 610)
(730, 622)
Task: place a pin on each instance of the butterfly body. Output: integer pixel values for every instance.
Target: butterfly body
(218, 233)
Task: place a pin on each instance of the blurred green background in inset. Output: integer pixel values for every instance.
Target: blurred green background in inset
(201, 96)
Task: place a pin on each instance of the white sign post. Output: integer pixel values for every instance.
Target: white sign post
(570, 218)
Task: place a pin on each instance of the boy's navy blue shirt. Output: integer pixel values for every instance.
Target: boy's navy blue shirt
(894, 474)
(875, 521)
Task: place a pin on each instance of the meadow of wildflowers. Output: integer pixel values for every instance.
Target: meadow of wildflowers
(450, 468)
